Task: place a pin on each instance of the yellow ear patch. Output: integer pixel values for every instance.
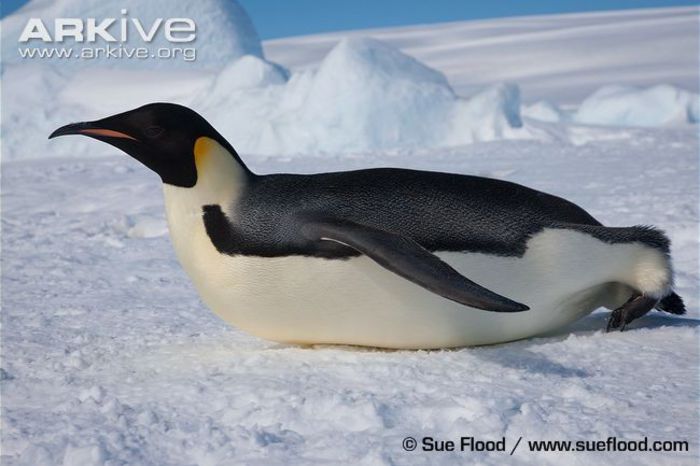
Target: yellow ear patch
(202, 148)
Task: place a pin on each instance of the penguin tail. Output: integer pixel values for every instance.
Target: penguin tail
(651, 272)
(644, 264)
(672, 304)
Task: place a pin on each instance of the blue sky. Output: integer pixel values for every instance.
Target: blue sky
(281, 18)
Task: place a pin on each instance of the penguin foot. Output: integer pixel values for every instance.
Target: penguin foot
(634, 308)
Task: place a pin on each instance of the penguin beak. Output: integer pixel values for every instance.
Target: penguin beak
(90, 129)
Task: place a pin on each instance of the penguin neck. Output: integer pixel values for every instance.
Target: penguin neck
(221, 176)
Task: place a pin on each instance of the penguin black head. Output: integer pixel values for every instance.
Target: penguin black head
(161, 136)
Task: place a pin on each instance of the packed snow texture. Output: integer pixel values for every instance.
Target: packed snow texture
(362, 93)
(110, 358)
(222, 25)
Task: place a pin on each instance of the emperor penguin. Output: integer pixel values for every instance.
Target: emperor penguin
(383, 257)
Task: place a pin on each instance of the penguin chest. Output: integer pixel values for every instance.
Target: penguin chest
(211, 272)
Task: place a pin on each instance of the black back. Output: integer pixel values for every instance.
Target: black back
(440, 211)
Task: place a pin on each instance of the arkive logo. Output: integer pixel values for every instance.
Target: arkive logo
(87, 30)
(114, 32)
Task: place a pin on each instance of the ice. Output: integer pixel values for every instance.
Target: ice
(492, 114)
(367, 94)
(246, 72)
(559, 58)
(544, 111)
(382, 98)
(363, 94)
(630, 106)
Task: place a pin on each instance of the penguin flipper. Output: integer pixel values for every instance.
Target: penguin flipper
(408, 259)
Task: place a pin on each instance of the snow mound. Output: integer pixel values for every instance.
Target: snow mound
(224, 32)
(492, 114)
(630, 106)
(368, 95)
(544, 110)
(249, 72)
(364, 96)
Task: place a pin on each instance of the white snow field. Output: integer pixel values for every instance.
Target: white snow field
(109, 357)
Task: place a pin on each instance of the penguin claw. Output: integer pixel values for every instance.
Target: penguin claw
(614, 320)
(634, 308)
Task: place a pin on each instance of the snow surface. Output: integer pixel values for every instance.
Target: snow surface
(110, 358)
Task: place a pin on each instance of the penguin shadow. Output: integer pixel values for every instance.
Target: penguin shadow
(597, 322)
(517, 355)
(514, 355)
(315, 347)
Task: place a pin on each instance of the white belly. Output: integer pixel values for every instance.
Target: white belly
(310, 300)
(297, 299)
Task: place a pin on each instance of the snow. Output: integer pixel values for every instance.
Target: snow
(147, 227)
(112, 355)
(628, 106)
(248, 72)
(490, 115)
(560, 58)
(544, 110)
(109, 357)
(367, 95)
(371, 93)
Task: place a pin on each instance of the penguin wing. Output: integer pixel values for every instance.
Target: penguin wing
(408, 259)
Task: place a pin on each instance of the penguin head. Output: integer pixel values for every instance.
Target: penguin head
(162, 136)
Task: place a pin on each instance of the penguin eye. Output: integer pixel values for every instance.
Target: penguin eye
(153, 131)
